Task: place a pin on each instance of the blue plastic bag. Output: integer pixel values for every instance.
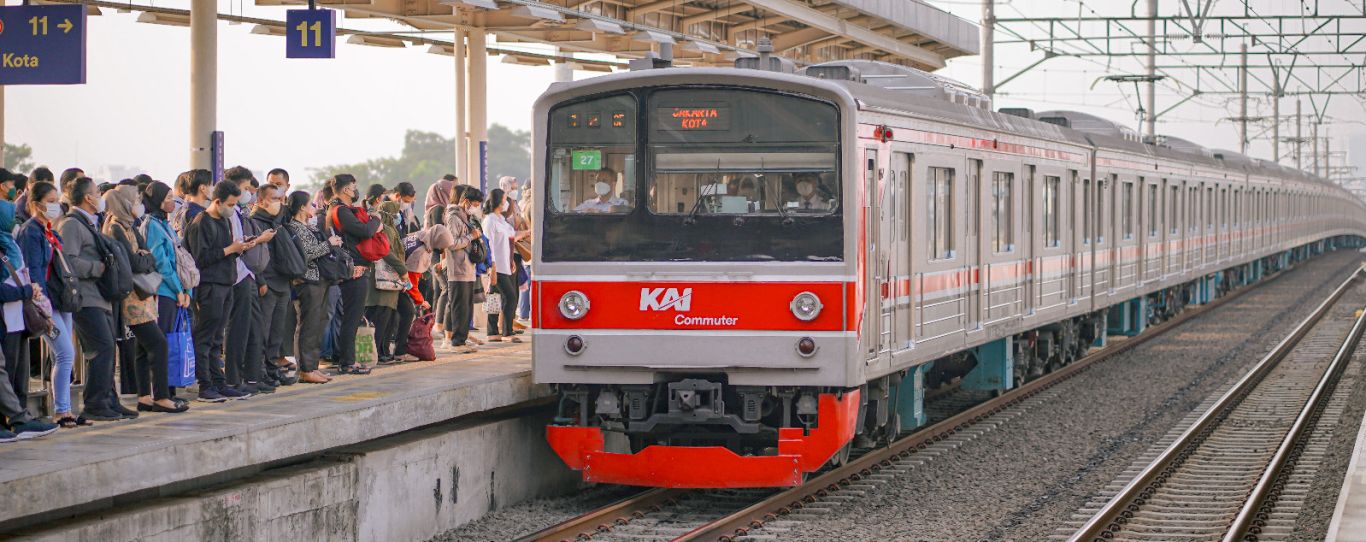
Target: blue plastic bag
(180, 351)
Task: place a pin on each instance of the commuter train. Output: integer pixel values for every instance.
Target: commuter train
(740, 274)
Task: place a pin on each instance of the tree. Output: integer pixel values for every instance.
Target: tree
(428, 156)
(17, 158)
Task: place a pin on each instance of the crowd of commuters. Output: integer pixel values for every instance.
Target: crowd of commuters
(262, 285)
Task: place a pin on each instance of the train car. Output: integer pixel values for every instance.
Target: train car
(741, 273)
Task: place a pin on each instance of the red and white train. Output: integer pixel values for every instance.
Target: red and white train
(740, 273)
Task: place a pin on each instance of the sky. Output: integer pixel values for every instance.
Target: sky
(132, 115)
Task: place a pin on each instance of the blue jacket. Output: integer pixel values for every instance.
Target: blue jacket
(161, 242)
(37, 251)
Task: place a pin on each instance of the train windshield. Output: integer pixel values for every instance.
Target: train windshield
(693, 174)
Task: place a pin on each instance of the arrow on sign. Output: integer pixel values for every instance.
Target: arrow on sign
(66, 26)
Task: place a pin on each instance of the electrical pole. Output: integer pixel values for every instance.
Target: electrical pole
(1314, 149)
(1276, 120)
(1151, 106)
(988, 48)
(1299, 139)
(1242, 99)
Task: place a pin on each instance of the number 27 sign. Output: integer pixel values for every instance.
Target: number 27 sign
(311, 33)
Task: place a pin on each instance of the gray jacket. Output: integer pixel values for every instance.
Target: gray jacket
(78, 246)
(458, 265)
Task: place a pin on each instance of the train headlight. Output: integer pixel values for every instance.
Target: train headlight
(573, 305)
(806, 306)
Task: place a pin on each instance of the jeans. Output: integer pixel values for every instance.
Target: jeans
(64, 350)
(313, 317)
(524, 303)
(506, 286)
(332, 305)
(460, 308)
(407, 311)
(151, 360)
(243, 349)
(353, 312)
(95, 327)
(211, 303)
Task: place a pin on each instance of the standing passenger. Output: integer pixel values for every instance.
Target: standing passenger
(42, 252)
(460, 278)
(342, 221)
(501, 235)
(216, 248)
(313, 316)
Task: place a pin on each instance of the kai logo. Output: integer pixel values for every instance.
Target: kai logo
(663, 299)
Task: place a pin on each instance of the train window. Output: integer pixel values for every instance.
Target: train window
(592, 164)
(1209, 207)
(941, 213)
(1128, 208)
(1100, 207)
(1175, 207)
(1052, 204)
(1152, 210)
(1002, 190)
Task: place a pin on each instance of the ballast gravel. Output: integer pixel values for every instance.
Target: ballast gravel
(527, 518)
(1021, 480)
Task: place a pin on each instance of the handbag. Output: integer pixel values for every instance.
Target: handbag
(493, 304)
(180, 351)
(387, 279)
(372, 249)
(365, 345)
(523, 248)
(335, 266)
(37, 318)
(61, 283)
(146, 278)
(420, 337)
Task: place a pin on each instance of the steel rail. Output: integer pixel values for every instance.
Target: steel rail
(753, 517)
(605, 518)
(1253, 513)
(1111, 517)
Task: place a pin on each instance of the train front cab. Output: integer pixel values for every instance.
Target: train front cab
(695, 278)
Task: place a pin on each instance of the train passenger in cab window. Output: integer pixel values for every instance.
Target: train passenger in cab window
(604, 200)
(809, 194)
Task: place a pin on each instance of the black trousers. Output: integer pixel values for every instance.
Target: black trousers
(407, 311)
(460, 308)
(383, 320)
(505, 285)
(95, 328)
(353, 312)
(211, 303)
(288, 336)
(151, 360)
(274, 307)
(243, 350)
(11, 409)
(313, 319)
(15, 348)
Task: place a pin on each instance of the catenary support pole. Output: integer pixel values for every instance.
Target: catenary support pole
(479, 126)
(1242, 99)
(1150, 119)
(564, 70)
(203, 80)
(1276, 121)
(1299, 139)
(462, 138)
(1314, 149)
(989, 48)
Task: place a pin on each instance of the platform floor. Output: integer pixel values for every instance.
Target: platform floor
(77, 468)
(1349, 517)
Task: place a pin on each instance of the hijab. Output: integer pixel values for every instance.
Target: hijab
(388, 213)
(153, 196)
(438, 195)
(119, 202)
(11, 248)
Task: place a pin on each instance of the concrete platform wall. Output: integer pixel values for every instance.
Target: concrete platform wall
(408, 487)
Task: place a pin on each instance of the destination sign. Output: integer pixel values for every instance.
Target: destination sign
(42, 45)
(693, 118)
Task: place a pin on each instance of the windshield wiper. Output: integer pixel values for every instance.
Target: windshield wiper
(697, 205)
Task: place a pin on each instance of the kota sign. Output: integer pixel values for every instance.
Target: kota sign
(42, 45)
(310, 33)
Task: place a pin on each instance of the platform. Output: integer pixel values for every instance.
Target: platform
(1349, 517)
(159, 454)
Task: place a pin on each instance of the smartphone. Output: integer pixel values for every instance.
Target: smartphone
(250, 239)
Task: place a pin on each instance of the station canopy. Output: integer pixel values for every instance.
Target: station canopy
(701, 33)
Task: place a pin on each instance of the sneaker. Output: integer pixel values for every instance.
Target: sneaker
(33, 429)
(230, 392)
(262, 387)
(388, 361)
(211, 395)
(6, 436)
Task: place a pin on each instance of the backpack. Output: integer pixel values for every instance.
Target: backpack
(117, 281)
(373, 249)
(335, 266)
(185, 268)
(286, 255)
(479, 248)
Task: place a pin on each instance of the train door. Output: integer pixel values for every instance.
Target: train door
(875, 274)
(899, 247)
(973, 261)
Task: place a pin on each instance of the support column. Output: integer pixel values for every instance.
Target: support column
(203, 80)
(462, 139)
(989, 48)
(1276, 120)
(1242, 99)
(1327, 166)
(1314, 148)
(1150, 120)
(1299, 140)
(564, 71)
(478, 93)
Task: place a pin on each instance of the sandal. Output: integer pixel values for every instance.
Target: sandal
(511, 340)
(355, 370)
(70, 422)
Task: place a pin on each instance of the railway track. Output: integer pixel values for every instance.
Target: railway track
(730, 515)
(1222, 476)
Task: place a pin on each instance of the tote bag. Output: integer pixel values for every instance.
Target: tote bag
(180, 351)
(420, 338)
(365, 346)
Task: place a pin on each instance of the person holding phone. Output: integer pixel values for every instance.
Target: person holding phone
(217, 247)
(245, 338)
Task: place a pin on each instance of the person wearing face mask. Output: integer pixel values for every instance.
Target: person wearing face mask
(244, 346)
(280, 178)
(808, 192)
(42, 246)
(194, 189)
(95, 319)
(501, 235)
(139, 311)
(343, 221)
(216, 246)
(11, 288)
(162, 241)
(604, 201)
(405, 194)
(312, 291)
(274, 288)
(460, 277)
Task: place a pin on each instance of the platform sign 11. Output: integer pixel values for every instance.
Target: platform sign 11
(311, 33)
(42, 45)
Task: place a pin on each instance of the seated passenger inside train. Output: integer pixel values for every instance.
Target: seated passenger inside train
(811, 194)
(604, 201)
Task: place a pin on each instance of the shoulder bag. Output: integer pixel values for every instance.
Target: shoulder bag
(372, 249)
(61, 283)
(37, 316)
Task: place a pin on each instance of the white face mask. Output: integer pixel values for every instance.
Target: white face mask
(246, 199)
(602, 188)
(515, 195)
(312, 221)
(53, 211)
(179, 203)
(504, 207)
(139, 210)
(805, 189)
(99, 205)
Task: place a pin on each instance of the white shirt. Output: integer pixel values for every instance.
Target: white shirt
(500, 235)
